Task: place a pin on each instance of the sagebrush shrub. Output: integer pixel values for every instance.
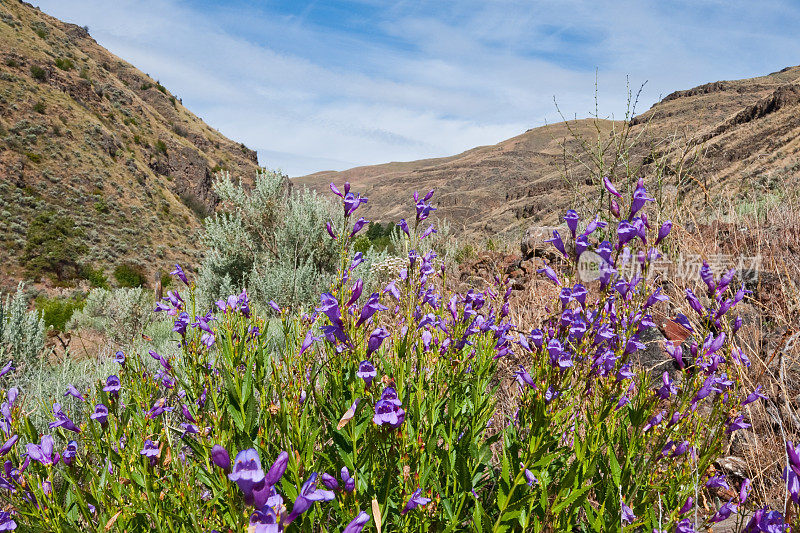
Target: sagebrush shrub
(21, 331)
(119, 314)
(268, 240)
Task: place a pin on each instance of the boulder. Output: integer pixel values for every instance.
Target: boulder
(533, 245)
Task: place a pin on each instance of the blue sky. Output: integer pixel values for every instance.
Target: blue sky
(318, 85)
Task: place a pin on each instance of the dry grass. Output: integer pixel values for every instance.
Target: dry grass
(770, 332)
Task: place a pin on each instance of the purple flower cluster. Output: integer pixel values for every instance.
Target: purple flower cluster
(258, 488)
(388, 410)
(234, 302)
(766, 521)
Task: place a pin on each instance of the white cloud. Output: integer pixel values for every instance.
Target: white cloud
(426, 81)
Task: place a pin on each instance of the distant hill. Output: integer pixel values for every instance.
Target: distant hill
(86, 135)
(747, 131)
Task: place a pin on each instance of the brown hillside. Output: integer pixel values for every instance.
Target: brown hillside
(746, 131)
(86, 135)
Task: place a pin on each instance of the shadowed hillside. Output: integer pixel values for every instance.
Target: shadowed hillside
(88, 137)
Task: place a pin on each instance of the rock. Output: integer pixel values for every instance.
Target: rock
(528, 266)
(653, 358)
(533, 245)
(109, 143)
(733, 466)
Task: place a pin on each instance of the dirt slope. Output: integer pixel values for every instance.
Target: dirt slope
(84, 134)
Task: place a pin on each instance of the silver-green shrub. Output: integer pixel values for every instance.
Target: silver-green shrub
(21, 331)
(270, 240)
(119, 314)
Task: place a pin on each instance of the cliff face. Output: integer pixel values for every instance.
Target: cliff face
(86, 135)
(745, 134)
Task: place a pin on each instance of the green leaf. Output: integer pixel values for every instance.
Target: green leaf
(569, 500)
(614, 464)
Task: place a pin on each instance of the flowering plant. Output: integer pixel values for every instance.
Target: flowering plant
(381, 407)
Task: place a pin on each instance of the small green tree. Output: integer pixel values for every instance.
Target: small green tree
(53, 247)
(130, 275)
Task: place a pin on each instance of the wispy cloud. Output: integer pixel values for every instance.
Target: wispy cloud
(329, 85)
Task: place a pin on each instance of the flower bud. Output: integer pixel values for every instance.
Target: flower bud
(220, 457)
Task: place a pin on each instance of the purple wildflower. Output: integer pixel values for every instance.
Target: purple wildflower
(113, 385)
(372, 306)
(694, 302)
(151, 451)
(72, 391)
(159, 408)
(351, 203)
(530, 478)
(610, 188)
(62, 420)
(558, 243)
(718, 481)
(639, 198)
(359, 224)
(247, 472)
(766, 521)
(6, 522)
(329, 481)
(349, 482)
(6, 447)
(737, 424)
(754, 396)
(668, 388)
(388, 412)
(404, 227)
(550, 273)
(423, 207)
(425, 233)
(309, 494)
(265, 520)
(367, 372)
(70, 453)
(357, 524)
(43, 452)
(277, 469)
(163, 360)
(724, 512)
(376, 338)
(666, 227)
(180, 273)
(100, 414)
(181, 323)
(572, 219)
(744, 490)
(416, 500)
(627, 513)
(524, 378)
